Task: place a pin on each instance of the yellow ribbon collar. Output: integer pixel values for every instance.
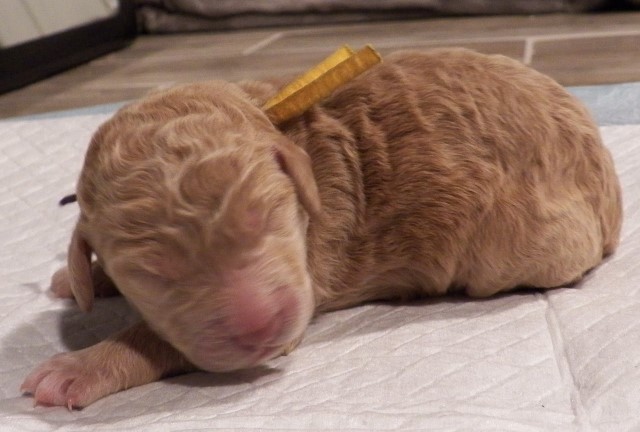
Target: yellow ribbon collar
(319, 82)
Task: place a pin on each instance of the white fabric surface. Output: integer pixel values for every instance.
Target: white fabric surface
(563, 360)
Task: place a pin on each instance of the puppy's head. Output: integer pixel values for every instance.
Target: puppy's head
(197, 208)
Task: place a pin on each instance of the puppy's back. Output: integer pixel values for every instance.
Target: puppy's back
(455, 169)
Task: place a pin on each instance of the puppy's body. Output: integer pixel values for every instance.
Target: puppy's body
(433, 172)
(455, 170)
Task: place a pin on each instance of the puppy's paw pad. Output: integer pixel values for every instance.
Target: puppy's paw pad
(65, 380)
(60, 284)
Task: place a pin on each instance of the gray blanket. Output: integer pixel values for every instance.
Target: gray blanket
(163, 16)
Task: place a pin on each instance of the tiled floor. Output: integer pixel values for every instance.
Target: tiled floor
(574, 49)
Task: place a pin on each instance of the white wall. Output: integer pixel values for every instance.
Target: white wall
(23, 20)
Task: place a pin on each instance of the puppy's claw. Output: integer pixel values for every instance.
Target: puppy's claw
(288, 349)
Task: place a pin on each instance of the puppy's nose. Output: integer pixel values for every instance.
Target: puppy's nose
(261, 336)
(254, 319)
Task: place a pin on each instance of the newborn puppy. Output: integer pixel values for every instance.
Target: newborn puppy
(433, 172)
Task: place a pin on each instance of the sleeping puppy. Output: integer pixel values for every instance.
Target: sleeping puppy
(433, 172)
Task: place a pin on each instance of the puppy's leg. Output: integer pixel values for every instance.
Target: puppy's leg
(133, 357)
(102, 284)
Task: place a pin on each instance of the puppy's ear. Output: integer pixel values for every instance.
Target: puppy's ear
(79, 265)
(296, 163)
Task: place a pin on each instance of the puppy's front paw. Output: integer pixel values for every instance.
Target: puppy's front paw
(60, 284)
(103, 286)
(70, 379)
(133, 357)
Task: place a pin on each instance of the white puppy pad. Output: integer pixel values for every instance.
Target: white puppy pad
(563, 360)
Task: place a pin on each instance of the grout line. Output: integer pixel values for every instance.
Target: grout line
(261, 44)
(584, 35)
(404, 43)
(527, 39)
(479, 39)
(527, 56)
